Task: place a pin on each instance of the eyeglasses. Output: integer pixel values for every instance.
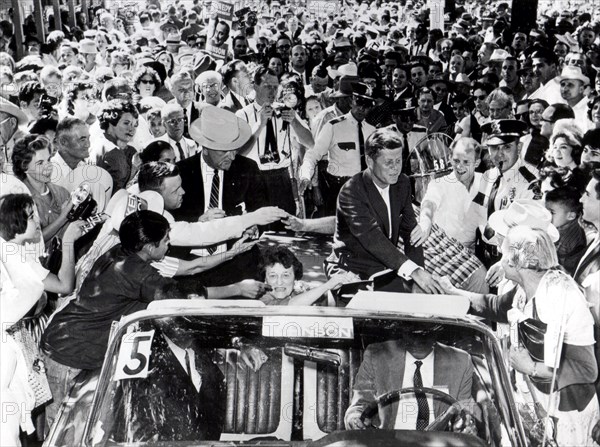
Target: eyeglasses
(261, 45)
(146, 81)
(284, 47)
(481, 97)
(207, 86)
(174, 121)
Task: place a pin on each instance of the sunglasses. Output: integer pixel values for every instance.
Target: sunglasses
(146, 81)
(481, 97)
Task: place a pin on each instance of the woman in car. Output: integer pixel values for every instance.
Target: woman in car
(552, 333)
(282, 271)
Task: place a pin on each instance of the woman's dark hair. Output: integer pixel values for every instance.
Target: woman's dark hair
(279, 255)
(172, 67)
(24, 150)
(298, 88)
(141, 228)
(14, 209)
(595, 100)
(153, 151)
(113, 111)
(141, 72)
(591, 138)
(73, 91)
(43, 125)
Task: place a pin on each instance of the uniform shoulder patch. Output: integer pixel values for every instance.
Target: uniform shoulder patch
(338, 119)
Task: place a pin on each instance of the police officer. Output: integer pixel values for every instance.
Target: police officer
(511, 178)
(342, 139)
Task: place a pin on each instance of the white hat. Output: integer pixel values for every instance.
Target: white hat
(530, 213)
(349, 69)
(219, 129)
(573, 72)
(499, 55)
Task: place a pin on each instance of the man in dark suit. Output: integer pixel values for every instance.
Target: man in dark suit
(182, 88)
(414, 360)
(373, 211)
(220, 183)
(237, 80)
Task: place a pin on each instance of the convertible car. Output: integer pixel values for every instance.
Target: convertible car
(185, 373)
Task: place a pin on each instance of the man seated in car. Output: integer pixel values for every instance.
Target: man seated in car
(417, 359)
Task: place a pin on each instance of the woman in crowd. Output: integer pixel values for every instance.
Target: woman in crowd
(80, 102)
(566, 145)
(546, 301)
(146, 82)
(167, 60)
(594, 111)
(276, 64)
(24, 282)
(119, 121)
(312, 107)
(31, 164)
(281, 270)
(591, 149)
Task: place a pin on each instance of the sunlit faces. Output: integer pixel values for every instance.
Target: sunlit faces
(299, 56)
(174, 123)
(172, 192)
(464, 163)
(426, 102)
(76, 143)
(596, 112)
(543, 70)
(266, 91)
(576, 60)
(457, 64)
(418, 77)
(85, 104)
(40, 167)
(168, 156)
(386, 166)
(591, 203)
(125, 129)
(562, 152)
(218, 160)
(510, 272)
(166, 60)
(276, 65)
(281, 279)
(33, 232)
(499, 110)
(506, 154)
(157, 128)
(146, 86)
(509, 71)
(211, 89)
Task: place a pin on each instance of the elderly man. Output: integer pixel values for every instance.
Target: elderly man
(572, 90)
(220, 183)
(210, 84)
(11, 117)
(374, 210)
(173, 118)
(427, 116)
(182, 88)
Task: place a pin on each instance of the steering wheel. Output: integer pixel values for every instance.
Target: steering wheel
(392, 396)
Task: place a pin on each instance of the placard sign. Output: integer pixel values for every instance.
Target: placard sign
(220, 26)
(134, 356)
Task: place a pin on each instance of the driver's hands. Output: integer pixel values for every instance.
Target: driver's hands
(254, 358)
(354, 423)
(464, 423)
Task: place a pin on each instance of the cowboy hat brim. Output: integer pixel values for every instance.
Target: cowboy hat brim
(8, 107)
(498, 224)
(233, 135)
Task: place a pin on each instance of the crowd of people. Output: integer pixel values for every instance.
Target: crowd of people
(140, 165)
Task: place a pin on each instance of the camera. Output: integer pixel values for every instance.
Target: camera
(46, 105)
(83, 203)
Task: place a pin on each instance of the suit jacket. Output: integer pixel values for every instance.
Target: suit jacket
(361, 240)
(165, 406)
(382, 371)
(231, 103)
(242, 184)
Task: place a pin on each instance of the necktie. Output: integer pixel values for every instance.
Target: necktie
(188, 363)
(214, 201)
(271, 152)
(422, 404)
(181, 153)
(361, 147)
(493, 194)
(405, 155)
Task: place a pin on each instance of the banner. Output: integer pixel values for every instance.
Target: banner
(436, 14)
(320, 8)
(221, 21)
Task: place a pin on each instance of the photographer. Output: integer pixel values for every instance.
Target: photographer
(270, 145)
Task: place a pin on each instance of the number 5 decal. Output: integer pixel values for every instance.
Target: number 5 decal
(134, 355)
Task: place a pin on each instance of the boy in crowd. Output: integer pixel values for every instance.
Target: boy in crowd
(563, 204)
(449, 199)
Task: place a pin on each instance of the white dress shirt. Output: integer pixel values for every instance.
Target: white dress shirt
(191, 368)
(408, 409)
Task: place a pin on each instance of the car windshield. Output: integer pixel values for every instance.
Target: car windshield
(266, 379)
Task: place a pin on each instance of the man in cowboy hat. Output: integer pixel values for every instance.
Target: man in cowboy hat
(11, 117)
(219, 182)
(508, 180)
(342, 140)
(572, 89)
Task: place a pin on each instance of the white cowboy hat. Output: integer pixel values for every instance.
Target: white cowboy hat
(219, 129)
(349, 69)
(530, 213)
(573, 72)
